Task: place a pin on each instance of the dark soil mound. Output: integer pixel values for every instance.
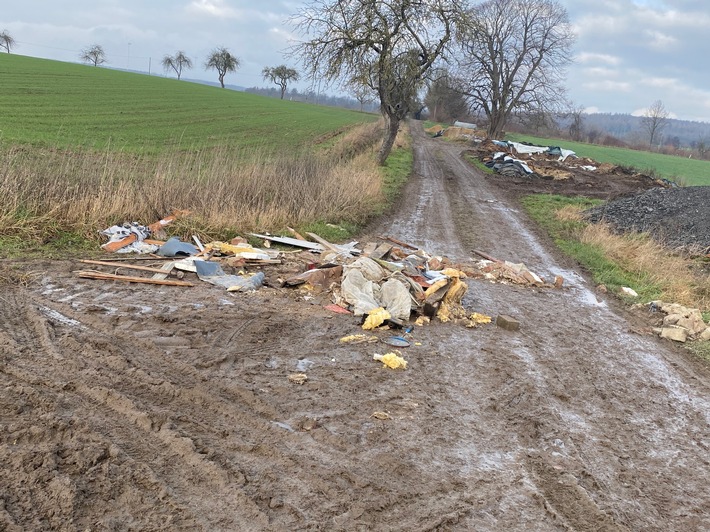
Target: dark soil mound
(680, 217)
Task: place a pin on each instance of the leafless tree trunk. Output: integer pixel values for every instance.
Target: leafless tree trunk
(393, 43)
(177, 63)
(6, 41)
(221, 60)
(94, 55)
(654, 121)
(514, 54)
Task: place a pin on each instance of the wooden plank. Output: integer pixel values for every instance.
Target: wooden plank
(90, 274)
(291, 241)
(165, 270)
(399, 242)
(323, 242)
(369, 248)
(295, 233)
(126, 266)
(119, 244)
(145, 257)
(486, 256)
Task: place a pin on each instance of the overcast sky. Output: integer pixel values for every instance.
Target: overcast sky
(628, 52)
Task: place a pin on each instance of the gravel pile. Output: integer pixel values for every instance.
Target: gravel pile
(679, 217)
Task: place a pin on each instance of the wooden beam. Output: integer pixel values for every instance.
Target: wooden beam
(89, 274)
(399, 242)
(486, 256)
(295, 233)
(323, 242)
(127, 266)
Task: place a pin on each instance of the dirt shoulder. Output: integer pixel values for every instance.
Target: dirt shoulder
(127, 407)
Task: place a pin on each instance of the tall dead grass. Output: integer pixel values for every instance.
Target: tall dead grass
(677, 276)
(228, 190)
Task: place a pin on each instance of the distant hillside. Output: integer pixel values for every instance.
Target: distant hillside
(52, 103)
(678, 133)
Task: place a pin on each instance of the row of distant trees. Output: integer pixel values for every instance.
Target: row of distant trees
(503, 58)
(220, 59)
(504, 55)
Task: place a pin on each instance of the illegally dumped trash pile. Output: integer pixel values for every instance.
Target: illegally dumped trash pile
(503, 162)
(388, 283)
(203, 260)
(529, 161)
(460, 132)
(679, 217)
(680, 323)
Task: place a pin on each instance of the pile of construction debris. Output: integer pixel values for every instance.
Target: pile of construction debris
(385, 283)
(680, 323)
(530, 161)
(525, 160)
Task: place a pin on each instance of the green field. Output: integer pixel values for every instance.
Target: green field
(686, 171)
(55, 104)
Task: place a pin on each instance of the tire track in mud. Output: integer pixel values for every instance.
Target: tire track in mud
(590, 417)
(99, 405)
(128, 389)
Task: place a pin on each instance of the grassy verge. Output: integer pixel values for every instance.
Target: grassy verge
(632, 260)
(680, 169)
(614, 260)
(395, 173)
(57, 201)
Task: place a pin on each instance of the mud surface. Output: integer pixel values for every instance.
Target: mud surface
(137, 407)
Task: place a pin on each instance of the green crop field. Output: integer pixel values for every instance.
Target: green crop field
(55, 104)
(687, 171)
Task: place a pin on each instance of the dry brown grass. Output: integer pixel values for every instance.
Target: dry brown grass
(357, 140)
(677, 275)
(45, 192)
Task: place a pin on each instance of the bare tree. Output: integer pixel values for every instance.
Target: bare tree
(7, 41)
(362, 92)
(514, 58)
(94, 55)
(393, 43)
(177, 63)
(702, 146)
(281, 75)
(444, 101)
(221, 60)
(576, 127)
(654, 121)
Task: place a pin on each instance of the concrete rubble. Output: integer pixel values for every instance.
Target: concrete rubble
(680, 323)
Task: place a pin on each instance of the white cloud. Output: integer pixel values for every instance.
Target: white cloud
(592, 57)
(659, 40)
(215, 8)
(608, 85)
(602, 72)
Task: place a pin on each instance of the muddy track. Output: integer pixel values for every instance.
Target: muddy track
(147, 408)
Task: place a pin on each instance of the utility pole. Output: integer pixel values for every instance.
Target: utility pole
(128, 60)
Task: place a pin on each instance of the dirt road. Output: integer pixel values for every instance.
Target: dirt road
(160, 408)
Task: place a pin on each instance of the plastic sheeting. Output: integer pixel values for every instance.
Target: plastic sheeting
(212, 273)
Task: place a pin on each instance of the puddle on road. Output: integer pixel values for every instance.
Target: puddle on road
(53, 315)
